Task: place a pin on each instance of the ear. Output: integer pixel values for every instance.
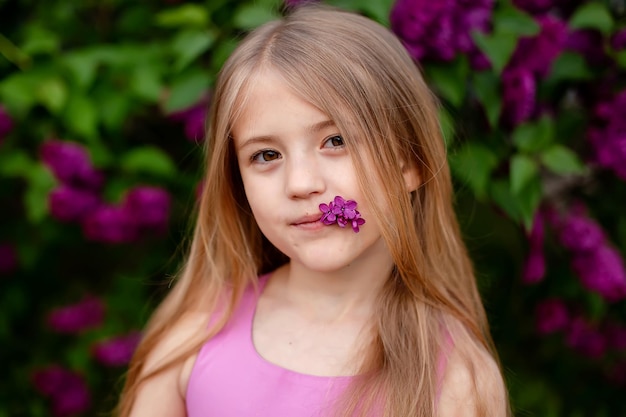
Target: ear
(412, 177)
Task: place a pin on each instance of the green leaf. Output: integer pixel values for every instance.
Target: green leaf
(16, 163)
(498, 47)
(145, 82)
(187, 15)
(486, 89)
(250, 16)
(450, 80)
(620, 57)
(501, 194)
(187, 90)
(569, 67)
(523, 170)
(514, 21)
(447, 126)
(592, 15)
(148, 159)
(534, 136)
(82, 66)
(52, 93)
(40, 40)
(113, 110)
(81, 116)
(16, 92)
(190, 44)
(473, 164)
(529, 199)
(562, 160)
(40, 182)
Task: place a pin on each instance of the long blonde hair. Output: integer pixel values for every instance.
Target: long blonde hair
(358, 73)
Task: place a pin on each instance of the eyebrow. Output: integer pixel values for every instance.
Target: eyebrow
(314, 128)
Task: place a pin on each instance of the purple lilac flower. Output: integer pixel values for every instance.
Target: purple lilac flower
(580, 233)
(8, 259)
(6, 123)
(342, 212)
(69, 204)
(149, 207)
(535, 265)
(537, 53)
(439, 30)
(608, 135)
(585, 338)
(71, 164)
(193, 118)
(551, 316)
(110, 224)
(116, 351)
(86, 314)
(618, 40)
(587, 42)
(67, 390)
(535, 6)
(519, 89)
(602, 270)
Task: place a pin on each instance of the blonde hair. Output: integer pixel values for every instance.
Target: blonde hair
(358, 73)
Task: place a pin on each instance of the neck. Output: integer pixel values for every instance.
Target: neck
(348, 293)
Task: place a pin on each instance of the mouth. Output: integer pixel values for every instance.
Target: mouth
(307, 220)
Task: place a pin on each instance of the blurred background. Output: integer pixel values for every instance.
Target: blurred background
(102, 108)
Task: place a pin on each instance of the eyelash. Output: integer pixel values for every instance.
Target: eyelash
(258, 156)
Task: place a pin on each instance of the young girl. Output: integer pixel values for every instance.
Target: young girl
(327, 275)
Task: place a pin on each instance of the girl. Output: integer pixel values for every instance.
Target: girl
(327, 275)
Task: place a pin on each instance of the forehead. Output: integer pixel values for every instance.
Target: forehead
(268, 105)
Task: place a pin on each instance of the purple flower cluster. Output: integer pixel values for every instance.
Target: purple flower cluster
(551, 316)
(8, 259)
(598, 264)
(593, 340)
(439, 30)
(66, 389)
(80, 183)
(71, 164)
(608, 135)
(618, 40)
(342, 212)
(86, 314)
(116, 351)
(143, 211)
(587, 43)
(6, 124)
(531, 60)
(193, 118)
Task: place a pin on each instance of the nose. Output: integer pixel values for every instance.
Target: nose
(304, 177)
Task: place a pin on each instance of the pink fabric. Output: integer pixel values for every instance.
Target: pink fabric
(230, 378)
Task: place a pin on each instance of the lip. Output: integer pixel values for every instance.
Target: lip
(307, 220)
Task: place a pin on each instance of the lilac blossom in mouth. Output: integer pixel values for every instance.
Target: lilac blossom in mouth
(342, 212)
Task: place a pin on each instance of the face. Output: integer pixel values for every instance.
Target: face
(292, 158)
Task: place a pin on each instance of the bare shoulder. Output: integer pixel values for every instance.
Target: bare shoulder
(164, 393)
(472, 385)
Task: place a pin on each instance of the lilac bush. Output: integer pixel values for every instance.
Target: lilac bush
(101, 123)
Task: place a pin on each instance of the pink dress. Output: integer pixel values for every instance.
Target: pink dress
(230, 379)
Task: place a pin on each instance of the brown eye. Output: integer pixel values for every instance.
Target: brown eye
(334, 142)
(267, 155)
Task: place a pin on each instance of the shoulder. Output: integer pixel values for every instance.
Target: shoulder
(164, 393)
(472, 385)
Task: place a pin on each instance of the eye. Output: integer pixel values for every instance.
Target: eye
(335, 141)
(266, 155)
